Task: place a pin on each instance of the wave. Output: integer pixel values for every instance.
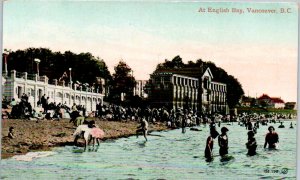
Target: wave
(32, 155)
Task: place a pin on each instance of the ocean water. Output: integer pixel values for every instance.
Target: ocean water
(166, 155)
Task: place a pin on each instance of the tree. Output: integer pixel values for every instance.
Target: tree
(85, 67)
(122, 82)
(175, 63)
(234, 91)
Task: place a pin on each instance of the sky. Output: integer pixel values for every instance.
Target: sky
(259, 49)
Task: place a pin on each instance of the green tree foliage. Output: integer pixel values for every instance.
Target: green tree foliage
(176, 63)
(122, 82)
(234, 88)
(85, 67)
(234, 91)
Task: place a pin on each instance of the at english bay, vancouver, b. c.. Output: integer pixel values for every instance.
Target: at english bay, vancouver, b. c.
(166, 155)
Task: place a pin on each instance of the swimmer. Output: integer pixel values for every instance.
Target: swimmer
(249, 125)
(251, 144)
(254, 130)
(281, 125)
(271, 138)
(209, 145)
(291, 126)
(223, 142)
(183, 123)
(213, 130)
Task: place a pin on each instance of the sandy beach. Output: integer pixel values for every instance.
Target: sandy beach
(44, 135)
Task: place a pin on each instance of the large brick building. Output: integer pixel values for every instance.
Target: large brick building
(188, 89)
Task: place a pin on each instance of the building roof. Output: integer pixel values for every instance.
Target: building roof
(264, 96)
(195, 72)
(293, 103)
(277, 100)
(273, 99)
(246, 99)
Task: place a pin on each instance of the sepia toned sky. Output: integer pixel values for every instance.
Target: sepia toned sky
(259, 49)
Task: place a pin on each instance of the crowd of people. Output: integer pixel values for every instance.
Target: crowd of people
(271, 138)
(173, 118)
(44, 110)
(183, 118)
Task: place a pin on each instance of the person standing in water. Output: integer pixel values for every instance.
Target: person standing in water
(281, 125)
(272, 138)
(249, 125)
(209, 145)
(143, 128)
(251, 144)
(183, 122)
(223, 142)
(213, 130)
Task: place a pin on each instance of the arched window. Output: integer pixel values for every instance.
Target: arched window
(59, 94)
(206, 83)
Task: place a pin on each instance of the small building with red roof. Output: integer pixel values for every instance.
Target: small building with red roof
(275, 102)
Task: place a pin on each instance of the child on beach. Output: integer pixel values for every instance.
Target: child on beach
(11, 133)
(251, 144)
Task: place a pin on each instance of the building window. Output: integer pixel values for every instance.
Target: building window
(166, 86)
(166, 79)
(32, 93)
(205, 83)
(157, 79)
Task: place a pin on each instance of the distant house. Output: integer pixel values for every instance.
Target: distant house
(273, 102)
(246, 101)
(290, 105)
(265, 101)
(278, 103)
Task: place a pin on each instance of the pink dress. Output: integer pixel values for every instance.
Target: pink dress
(97, 133)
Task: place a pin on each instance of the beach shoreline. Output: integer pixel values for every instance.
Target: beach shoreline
(31, 136)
